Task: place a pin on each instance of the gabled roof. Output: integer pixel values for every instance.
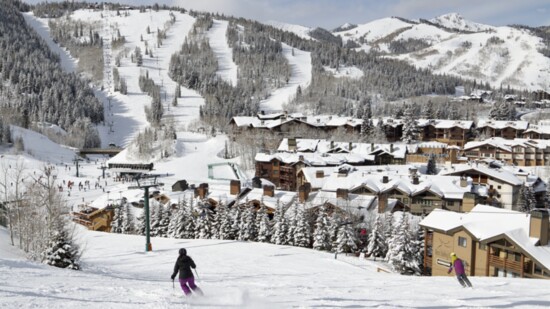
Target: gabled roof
(501, 124)
(485, 223)
(498, 173)
(446, 124)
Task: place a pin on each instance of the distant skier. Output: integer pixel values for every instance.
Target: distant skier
(458, 266)
(183, 265)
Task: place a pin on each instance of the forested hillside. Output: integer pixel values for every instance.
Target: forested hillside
(34, 88)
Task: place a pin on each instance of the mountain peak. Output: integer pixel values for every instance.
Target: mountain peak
(456, 21)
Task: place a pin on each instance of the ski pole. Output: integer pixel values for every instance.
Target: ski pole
(173, 285)
(197, 274)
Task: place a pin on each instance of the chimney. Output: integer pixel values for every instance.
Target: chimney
(539, 226)
(463, 182)
(371, 146)
(391, 147)
(303, 192)
(301, 158)
(319, 174)
(269, 191)
(416, 180)
(385, 179)
(342, 193)
(382, 202)
(234, 187)
(202, 190)
(350, 146)
(292, 144)
(256, 182)
(262, 112)
(331, 144)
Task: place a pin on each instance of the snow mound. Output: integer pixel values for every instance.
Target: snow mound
(456, 21)
(300, 31)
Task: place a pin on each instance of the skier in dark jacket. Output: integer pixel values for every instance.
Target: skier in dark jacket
(458, 266)
(183, 265)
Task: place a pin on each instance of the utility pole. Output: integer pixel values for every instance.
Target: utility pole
(145, 187)
(103, 168)
(76, 160)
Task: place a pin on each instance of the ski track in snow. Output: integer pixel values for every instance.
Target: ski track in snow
(300, 64)
(227, 69)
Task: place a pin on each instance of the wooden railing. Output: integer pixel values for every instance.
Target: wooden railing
(505, 263)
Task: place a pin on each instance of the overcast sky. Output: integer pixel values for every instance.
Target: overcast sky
(332, 13)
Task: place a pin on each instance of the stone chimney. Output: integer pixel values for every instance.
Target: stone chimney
(385, 179)
(539, 226)
(291, 144)
(415, 179)
(303, 192)
(319, 174)
(256, 182)
(269, 191)
(331, 144)
(382, 202)
(342, 193)
(301, 158)
(234, 187)
(391, 148)
(350, 146)
(202, 191)
(463, 182)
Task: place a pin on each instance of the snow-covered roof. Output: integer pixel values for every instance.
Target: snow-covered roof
(314, 159)
(444, 186)
(501, 124)
(367, 150)
(445, 124)
(541, 129)
(508, 144)
(502, 174)
(485, 222)
(282, 198)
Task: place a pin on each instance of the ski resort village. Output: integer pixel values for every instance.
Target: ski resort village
(163, 155)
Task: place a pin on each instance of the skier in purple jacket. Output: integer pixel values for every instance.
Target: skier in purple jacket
(183, 265)
(458, 266)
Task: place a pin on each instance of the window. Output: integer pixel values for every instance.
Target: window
(482, 246)
(499, 187)
(462, 242)
(275, 163)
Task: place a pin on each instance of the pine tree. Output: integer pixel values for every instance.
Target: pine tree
(225, 219)
(190, 220)
(409, 125)
(431, 168)
(280, 228)
(203, 229)
(176, 228)
(156, 218)
(547, 195)
(263, 225)
(528, 200)
(139, 56)
(321, 235)
(236, 214)
(118, 217)
(377, 241)
(401, 254)
(302, 232)
(60, 250)
(292, 224)
(418, 248)
(335, 224)
(140, 229)
(247, 231)
(347, 238)
(164, 221)
(128, 224)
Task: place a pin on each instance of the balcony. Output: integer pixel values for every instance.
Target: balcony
(505, 264)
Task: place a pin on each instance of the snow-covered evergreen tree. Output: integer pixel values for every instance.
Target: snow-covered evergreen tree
(164, 222)
(190, 221)
(247, 230)
(155, 215)
(528, 200)
(263, 225)
(280, 228)
(321, 236)
(409, 125)
(176, 228)
(203, 229)
(431, 168)
(237, 216)
(401, 255)
(128, 224)
(302, 232)
(226, 221)
(292, 223)
(347, 238)
(377, 242)
(418, 247)
(335, 224)
(140, 228)
(216, 223)
(60, 250)
(118, 217)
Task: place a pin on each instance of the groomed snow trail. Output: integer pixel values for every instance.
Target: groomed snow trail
(227, 69)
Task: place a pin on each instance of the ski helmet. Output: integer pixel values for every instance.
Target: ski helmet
(183, 251)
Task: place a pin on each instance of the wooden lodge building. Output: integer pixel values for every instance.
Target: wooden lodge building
(522, 152)
(451, 132)
(515, 245)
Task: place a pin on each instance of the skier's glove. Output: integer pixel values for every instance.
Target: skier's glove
(172, 277)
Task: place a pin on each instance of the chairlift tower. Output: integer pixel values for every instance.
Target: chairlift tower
(145, 186)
